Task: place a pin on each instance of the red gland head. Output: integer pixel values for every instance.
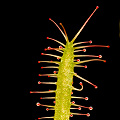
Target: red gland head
(90, 108)
(38, 61)
(49, 18)
(100, 56)
(79, 108)
(86, 98)
(71, 115)
(104, 61)
(78, 60)
(47, 37)
(38, 104)
(47, 109)
(97, 7)
(85, 66)
(45, 49)
(39, 74)
(60, 47)
(54, 72)
(58, 58)
(84, 50)
(39, 82)
(108, 46)
(73, 102)
(49, 48)
(81, 83)
(88, 114)
(96, 87)
(42, 53)
(90, 41)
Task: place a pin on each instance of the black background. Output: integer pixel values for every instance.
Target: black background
(101, 29)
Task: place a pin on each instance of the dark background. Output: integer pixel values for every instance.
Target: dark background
(101, 29)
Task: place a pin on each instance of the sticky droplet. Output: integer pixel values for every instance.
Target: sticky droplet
(38, 61)
(90, 108)
(49, 48)
(86, 98)
(97, 7)
(104, 61)
(54, 72)
(90, 41)
(78, 60)
(39, 75)
(60, 47)
(96, 87)
(88, 114)
(84, 50)
(81, 83)
(39, 82)
(47, 109)
(79, 108)
(100, 56)
(38, 104)
(73, 102)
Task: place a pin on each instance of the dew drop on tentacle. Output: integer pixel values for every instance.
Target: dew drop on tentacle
(60, 47)
(37, 104)
(73, 102)
(54, 72)
(81, 83)
(90, 108)
(47, 109)
(96, 87)
(84, 50)
(90, 41)
(78, 60)
(85, 66)
(104, 61)
(49, 48)
(88, 114)
(86, 98)
(79, 108)
(100, 56)
(39, 82)
(71, 115)
(97, 7)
